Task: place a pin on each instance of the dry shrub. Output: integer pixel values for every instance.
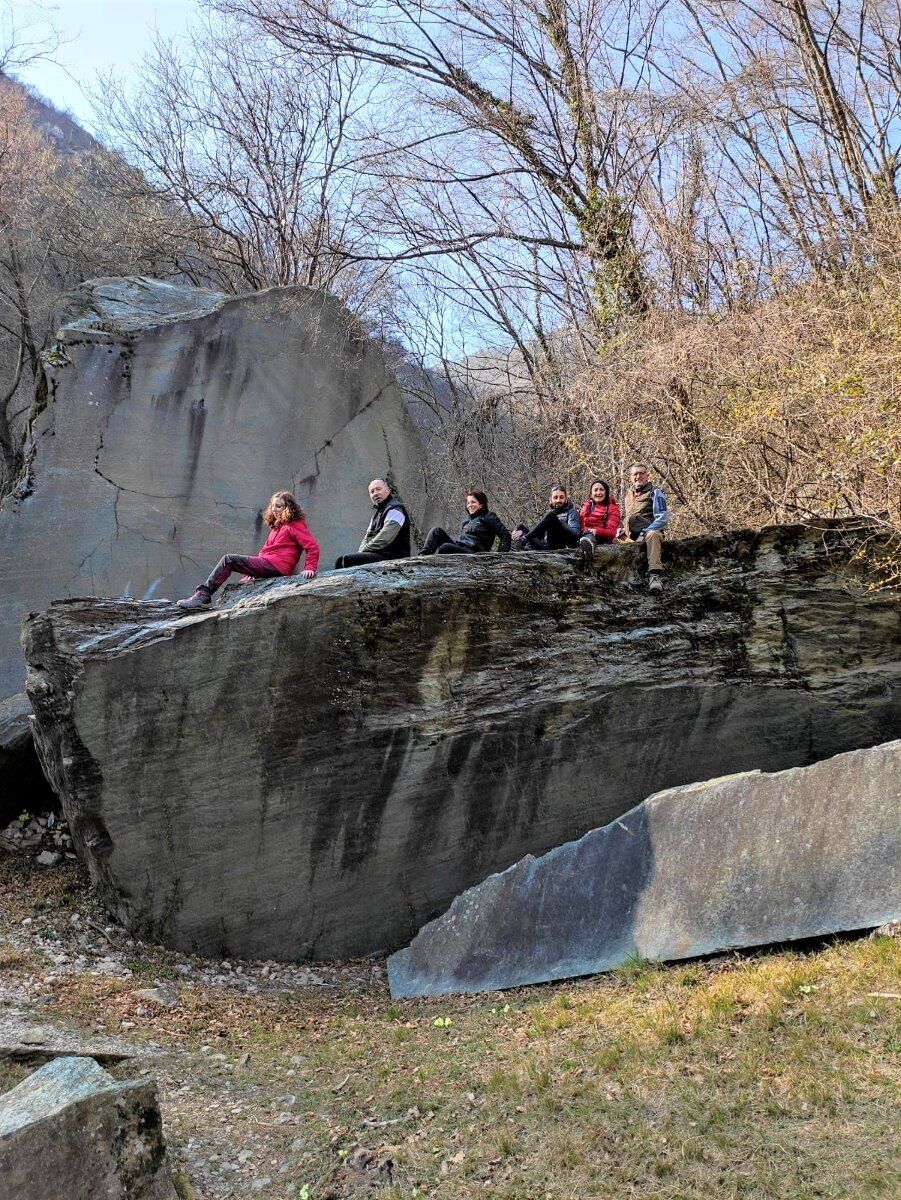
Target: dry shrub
(785, 411)
(788, 411)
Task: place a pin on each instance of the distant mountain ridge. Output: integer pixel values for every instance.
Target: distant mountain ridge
(60, 127)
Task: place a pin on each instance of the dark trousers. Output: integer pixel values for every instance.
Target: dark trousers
(254, 566)
(439, 541)
(555, 534)
(358, 559)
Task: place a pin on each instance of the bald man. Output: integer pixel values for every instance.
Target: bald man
(388, 534)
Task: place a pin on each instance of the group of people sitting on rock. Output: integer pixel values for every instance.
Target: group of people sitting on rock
(599, 520)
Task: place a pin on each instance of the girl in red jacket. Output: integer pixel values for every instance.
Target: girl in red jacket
(287, 540)
(600, 517)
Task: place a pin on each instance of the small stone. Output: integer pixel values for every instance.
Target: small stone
(259, 1184)
(166, 997)
(48, 858)
(37, 1035)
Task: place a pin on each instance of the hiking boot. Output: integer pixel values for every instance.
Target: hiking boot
(655, 583)
(586, 549)
(200, 599)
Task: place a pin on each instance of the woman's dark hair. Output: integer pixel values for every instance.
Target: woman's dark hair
(605, 485)
(480, 496)
(291, 512)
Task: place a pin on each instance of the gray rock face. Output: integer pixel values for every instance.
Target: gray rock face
(318, 769)
(72, 1130)
(740, 861)
(174, 414)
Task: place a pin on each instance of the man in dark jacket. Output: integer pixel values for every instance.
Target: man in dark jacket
(481, 531)
(558, 529)
(388, 534)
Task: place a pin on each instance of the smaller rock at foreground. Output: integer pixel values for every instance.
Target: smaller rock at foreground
(72, 1130)
(744, 860)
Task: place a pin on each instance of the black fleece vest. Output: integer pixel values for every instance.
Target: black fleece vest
(400, 547)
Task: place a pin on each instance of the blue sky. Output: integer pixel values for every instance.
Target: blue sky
(99, 34)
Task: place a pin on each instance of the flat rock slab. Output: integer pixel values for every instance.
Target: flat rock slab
(745, 860)
(317, 769)
(71, 1130)
(24, 1040)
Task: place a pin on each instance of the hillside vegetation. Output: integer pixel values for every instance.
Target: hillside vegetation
(786, 410)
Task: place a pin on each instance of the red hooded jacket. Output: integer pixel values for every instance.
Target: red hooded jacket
(600, 519)
(285, 544)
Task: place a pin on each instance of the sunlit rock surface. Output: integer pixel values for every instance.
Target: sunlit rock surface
(319, 769)
(741, 861)
(173, 415)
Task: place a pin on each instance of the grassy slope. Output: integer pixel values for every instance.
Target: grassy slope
(744, 1077)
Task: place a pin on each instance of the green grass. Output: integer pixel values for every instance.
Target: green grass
(744, 1078)
(771, 1076)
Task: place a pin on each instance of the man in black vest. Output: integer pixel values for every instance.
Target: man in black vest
(388, 535)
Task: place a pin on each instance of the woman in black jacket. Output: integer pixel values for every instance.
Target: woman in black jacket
(477, 535)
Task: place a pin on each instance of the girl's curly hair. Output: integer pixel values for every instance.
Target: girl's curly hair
(291, 512)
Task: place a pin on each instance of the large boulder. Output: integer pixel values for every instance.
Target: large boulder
(72, 1130)
(173, 414)
(318, 769)
(741, 861)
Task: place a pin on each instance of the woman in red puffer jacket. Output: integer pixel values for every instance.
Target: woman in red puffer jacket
(600, 517)
(288, 539)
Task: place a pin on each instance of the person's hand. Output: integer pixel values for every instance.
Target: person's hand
(517, 535)
(309, 574)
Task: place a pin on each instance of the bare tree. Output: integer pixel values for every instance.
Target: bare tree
(260, 150)
(64, 216)
(27, 35)
(522, 131)
(803, 110)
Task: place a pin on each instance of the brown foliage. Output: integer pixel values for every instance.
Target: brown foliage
(785, 411)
